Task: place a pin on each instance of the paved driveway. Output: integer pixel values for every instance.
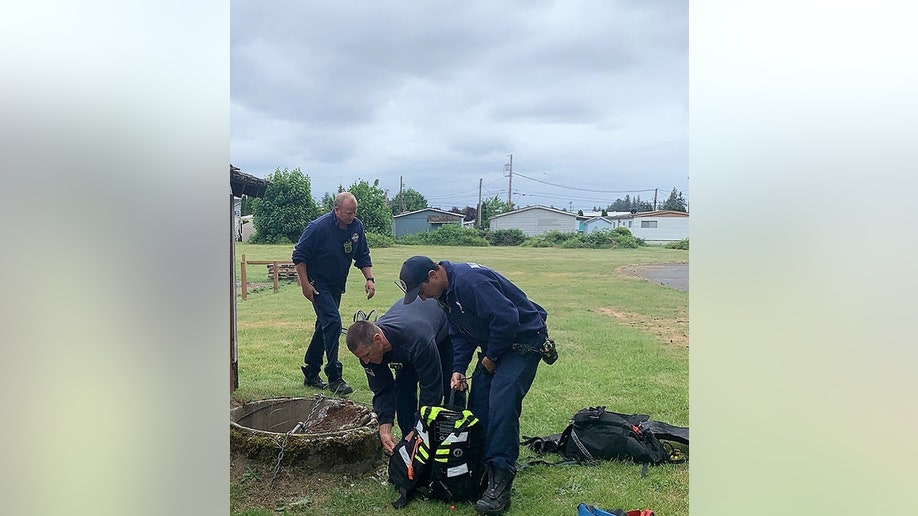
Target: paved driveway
(672, 275)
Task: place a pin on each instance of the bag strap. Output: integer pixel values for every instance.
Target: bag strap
(581, 447)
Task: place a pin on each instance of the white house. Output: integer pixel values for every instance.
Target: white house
(535, 220)
(655, 227)
(597, 224)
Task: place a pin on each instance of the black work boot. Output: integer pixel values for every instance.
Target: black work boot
(496, 497)
(339, 386)
(312, 381)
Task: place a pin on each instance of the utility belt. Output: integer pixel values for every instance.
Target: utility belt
(546, 349)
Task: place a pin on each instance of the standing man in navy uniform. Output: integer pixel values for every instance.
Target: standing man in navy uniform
(408, 349)
(485, 310)
(323, 257)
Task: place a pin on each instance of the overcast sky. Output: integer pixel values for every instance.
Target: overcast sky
(590, 97)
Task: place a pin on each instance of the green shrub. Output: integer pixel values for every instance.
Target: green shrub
(549, 239)
(505, 236)
(447, 234)
(377, 240)
(682, 244)
(259, 238)
(617, 238)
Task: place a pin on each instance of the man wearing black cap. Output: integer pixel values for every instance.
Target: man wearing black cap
(485, 310)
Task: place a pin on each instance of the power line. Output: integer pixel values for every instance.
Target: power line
(582, 189)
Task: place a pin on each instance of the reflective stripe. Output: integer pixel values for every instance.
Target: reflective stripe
(430, 413)
(461, 437)
(466, 415)
(404, 453)
(457, 470)
(422, 433)
(423, 453)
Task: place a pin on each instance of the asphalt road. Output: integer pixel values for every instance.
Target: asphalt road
(672, 275)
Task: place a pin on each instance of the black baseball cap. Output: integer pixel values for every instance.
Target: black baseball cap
(413, 274)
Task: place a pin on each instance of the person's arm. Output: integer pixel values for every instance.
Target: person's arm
(499, 313)
(362, 260)
(463, 349)
(382, 385)
(370, 286)
(308, 290)
(301, 252)
(386, 437)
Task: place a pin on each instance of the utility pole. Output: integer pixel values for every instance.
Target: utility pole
(509, 167)
(401, 196)
(478, 210)
(654, 199)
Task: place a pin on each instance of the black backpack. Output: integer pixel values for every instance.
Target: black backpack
(442, 459)
(597, 434)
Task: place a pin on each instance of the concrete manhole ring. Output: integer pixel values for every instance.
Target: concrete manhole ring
(327, 434)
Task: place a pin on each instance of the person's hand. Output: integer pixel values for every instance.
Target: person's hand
(488, 364)
(458, 382)
(370, 287)
(386, 438)
(309, 291)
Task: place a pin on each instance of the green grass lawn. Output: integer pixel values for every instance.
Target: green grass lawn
(614, 337)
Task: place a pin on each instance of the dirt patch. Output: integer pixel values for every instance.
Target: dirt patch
(291, 489)
(253, 287)
(337, 417)
(669, 331)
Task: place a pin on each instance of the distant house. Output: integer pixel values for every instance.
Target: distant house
(582, 220)
(245, 229)
(655, 227)
(423, 221)
(596, 224)
(535, 220)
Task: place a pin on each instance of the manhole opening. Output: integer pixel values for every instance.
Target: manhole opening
(329, 434)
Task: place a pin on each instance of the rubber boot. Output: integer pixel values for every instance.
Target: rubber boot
(496, 497)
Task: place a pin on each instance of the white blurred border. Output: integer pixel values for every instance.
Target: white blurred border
(114, 141)
(802, 166)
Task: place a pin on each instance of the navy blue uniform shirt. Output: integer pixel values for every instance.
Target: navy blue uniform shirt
(485, 309)
(328, 250)
(414, 331)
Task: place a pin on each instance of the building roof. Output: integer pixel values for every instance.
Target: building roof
(658, 213)
(441, 212)
(247, 184)
(539, 207)
(594, 219)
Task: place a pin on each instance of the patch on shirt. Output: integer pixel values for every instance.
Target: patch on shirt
(369, 371)
(355, 237)
(395, 366)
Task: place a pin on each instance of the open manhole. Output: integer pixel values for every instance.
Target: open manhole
(327, 434)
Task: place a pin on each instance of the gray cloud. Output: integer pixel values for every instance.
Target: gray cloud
(439, 93)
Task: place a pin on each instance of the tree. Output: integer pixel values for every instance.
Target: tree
(328, 202)
(675, 202)
(628, 204)
(286, 208)
(491, 207)
(407, 200)
(468, 213)
(371, 207)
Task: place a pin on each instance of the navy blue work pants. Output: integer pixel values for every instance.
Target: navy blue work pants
(497, 400)
(326, 334)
